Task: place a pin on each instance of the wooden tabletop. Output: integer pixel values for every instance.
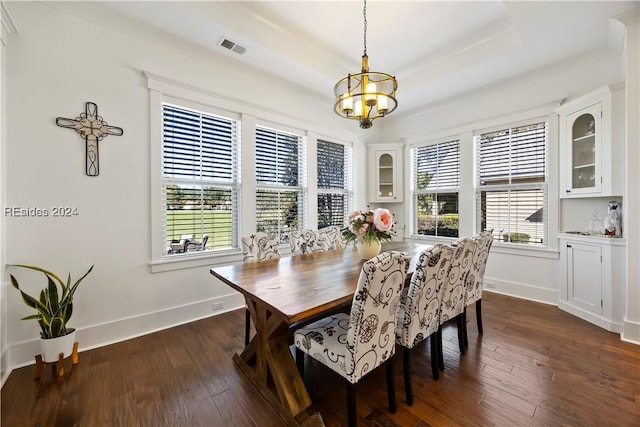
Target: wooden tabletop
(299, 287)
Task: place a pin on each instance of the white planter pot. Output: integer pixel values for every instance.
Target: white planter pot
(52, 347)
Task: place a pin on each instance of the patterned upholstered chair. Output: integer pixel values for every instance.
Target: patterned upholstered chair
(304, 242)
(330, 238)
(419, 314)
(453, 303)
(355, 344)
(475, 280)
(258, 247)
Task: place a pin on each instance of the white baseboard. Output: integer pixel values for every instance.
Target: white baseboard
(22, 354)
(630, 332)
(4, 364)
(600, 321)
(521, 290)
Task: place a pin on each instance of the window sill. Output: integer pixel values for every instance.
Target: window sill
(500, 248)
(213, 259)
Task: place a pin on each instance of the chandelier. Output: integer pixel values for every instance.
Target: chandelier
(367, 95)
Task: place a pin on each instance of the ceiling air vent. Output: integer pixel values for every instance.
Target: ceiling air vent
(232, 46)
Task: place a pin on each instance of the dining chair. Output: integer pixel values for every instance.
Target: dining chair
(419, 313)
(258, 247)
(475, 281)
(330, 238)
(304, 242)
(354, 344)
(453, 302)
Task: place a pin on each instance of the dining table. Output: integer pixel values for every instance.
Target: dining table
(283, 294)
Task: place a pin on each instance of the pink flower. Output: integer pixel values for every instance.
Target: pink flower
(353, 214)
(382, 219)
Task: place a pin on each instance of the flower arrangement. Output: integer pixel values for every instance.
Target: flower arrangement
(368, 226)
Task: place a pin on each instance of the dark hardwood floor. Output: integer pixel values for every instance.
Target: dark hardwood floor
(535, 365)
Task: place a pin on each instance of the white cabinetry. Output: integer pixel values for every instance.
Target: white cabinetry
(593, 279)
(385, 173)
(591, 148)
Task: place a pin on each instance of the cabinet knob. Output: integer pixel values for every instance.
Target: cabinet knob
(569, 246)
(568, 191)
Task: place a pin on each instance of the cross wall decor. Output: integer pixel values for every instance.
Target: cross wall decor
(92, 128)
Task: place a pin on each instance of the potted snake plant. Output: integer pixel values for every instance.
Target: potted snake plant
(53, 309)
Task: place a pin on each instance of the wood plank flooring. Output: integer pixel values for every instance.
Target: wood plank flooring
(535, 365)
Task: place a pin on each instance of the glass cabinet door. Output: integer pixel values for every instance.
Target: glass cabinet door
(584, 146)
(386, 177)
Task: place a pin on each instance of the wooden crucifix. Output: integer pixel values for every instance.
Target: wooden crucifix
(92, 128)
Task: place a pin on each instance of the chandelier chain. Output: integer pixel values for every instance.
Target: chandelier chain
(364, 13)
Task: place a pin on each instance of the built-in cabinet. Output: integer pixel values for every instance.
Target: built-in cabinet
(592, 285)
(591, 149)
(385, 173)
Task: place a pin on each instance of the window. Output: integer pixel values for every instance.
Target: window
(280, 174)
(512, 191)
(335, 191)
(199, 180)
(435, 183)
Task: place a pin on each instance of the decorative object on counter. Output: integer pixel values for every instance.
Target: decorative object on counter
(612, 221)
(92, 128)
(595, 224)
(367, 229)
(53, 310)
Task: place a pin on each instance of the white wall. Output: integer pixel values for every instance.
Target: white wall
(529, 274)
(56, 64)
(59, 61)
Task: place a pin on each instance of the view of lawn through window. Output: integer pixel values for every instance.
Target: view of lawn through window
(512, 183)
(279, 172)
(199, 180)
(435, 189)
(334, 183)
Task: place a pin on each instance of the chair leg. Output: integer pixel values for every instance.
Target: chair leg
(352, 414)
(300, 361)
(465, 337)
(391, 386)
(247, 327)
(459, 322)
(406, 368)
(479, 315)
(440, 350)
(433, 342)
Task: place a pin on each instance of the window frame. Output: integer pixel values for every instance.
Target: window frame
(301, 189)
(415, 192)
(347, 189)
(231, 183)
(522, 186)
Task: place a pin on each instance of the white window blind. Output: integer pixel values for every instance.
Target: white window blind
(335, 184)
(512, 190)
(199, 184)
(280, 188)
(435, 185)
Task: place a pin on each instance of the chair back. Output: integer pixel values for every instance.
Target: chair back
(304, 242)
(483, 242)
(330, 238)
(453, 302)
(374, 311)
(260, 247)
(419, 314)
